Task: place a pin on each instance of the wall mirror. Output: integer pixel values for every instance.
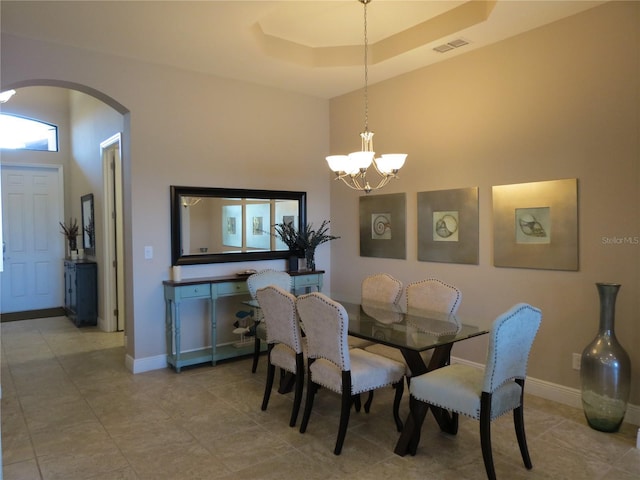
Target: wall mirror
(212, 225)
(88, 227)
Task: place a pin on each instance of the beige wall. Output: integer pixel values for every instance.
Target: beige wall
(92, 122)
(184, 129)
(558, 102)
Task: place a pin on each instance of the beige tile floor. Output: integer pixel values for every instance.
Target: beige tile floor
(70, 410)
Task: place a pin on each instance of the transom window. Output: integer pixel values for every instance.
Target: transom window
(20, 133)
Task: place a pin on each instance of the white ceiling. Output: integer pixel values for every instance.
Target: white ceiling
(307, 46)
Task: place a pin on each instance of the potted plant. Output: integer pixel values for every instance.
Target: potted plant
(70, 231)
(303, 243)
(289, 236)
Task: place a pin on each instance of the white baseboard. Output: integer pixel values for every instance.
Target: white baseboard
(559, 393)
(146, 364)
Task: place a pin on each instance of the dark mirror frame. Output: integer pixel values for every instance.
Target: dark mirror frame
(177, 258)
(88, 220)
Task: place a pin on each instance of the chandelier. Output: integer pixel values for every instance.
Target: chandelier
(190, 201)
(352, 169)
(6, 95)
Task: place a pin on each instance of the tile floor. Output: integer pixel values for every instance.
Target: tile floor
(70, 410)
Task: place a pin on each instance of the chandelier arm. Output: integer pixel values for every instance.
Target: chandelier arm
(383, 181)
(358, 181)
(392, 174)
(353, 181)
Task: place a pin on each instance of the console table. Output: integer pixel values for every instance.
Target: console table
(210, 289)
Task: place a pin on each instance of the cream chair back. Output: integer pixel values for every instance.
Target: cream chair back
(326, 325)
(381, 288)
(264, 278)
(255, 282)
(433, 295)
(512, 335)
(280, 316)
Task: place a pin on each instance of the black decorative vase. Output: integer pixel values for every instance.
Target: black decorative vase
(293, 263)
(605, 369)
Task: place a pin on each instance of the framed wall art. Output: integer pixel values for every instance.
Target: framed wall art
(448, 226)
(535, 225)
(383, 226)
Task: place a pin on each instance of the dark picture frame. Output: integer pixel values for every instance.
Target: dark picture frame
(535, 225)
(448, 226)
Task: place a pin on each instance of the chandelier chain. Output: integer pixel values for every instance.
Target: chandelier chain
(366, 69)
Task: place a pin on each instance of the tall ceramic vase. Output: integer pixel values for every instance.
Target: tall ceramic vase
(605, 369)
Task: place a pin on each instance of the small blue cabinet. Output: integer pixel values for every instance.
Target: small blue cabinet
(81, 292)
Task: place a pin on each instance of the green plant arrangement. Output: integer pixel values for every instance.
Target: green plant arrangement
(70, 231)
(303, 243)
(289, 236)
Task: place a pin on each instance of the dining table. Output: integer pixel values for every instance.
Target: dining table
(413, 331)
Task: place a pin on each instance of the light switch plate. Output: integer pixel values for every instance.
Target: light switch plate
(576, 360)
(148, 252)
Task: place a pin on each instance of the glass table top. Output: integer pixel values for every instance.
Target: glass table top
(414, 329)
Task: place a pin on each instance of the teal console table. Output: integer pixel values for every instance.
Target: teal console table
(210, 289)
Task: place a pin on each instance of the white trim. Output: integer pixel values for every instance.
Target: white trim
(140, 365)
(107, 325)
(112, 250)
(558, 393)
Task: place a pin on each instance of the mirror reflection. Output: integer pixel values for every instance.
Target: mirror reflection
(222, 225)
(88, 225)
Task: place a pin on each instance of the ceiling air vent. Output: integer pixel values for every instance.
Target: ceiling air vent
(445, 47)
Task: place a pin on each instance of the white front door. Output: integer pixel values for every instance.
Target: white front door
(33, 247)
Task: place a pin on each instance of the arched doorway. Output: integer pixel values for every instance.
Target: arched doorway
(87, 108)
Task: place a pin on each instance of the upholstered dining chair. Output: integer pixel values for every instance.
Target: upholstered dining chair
(484, 395)
(429, 295)
(378, 288)
(255, 282)
(433, 295)
(331, 364)
(382, 288)
(284, 339)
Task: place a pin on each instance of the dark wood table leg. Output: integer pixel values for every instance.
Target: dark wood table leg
(447, 422)
(287, 381)
(402, 446)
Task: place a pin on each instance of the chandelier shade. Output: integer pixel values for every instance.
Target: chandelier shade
(6, 95)
(352, 169)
